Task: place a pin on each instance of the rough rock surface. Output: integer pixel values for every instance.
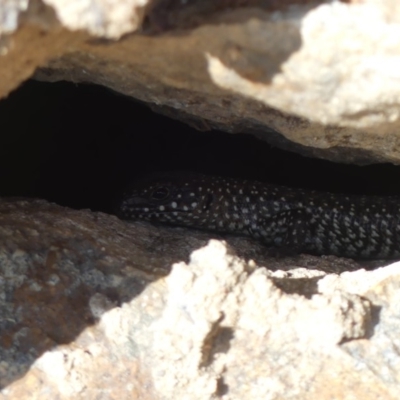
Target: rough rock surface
(321, 78)
(91, 308)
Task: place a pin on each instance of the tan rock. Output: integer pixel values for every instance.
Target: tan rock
(89, 310)
(92, 307)
(314, 78)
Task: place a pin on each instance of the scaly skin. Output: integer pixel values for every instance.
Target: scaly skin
(365, 227)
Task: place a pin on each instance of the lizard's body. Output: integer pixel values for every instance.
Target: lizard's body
(298, 220)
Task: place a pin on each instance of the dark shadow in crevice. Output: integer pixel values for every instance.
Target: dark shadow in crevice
(217, 341)
(375, 319)
(222, 387)
(371, 324)
(167, 16)
(79, 145)
(306, 287)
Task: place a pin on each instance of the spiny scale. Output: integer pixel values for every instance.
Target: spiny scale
(292, 219)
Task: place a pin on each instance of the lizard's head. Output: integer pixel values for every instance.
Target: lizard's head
(178, 198)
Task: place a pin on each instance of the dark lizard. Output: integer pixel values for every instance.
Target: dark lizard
(301, 221)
